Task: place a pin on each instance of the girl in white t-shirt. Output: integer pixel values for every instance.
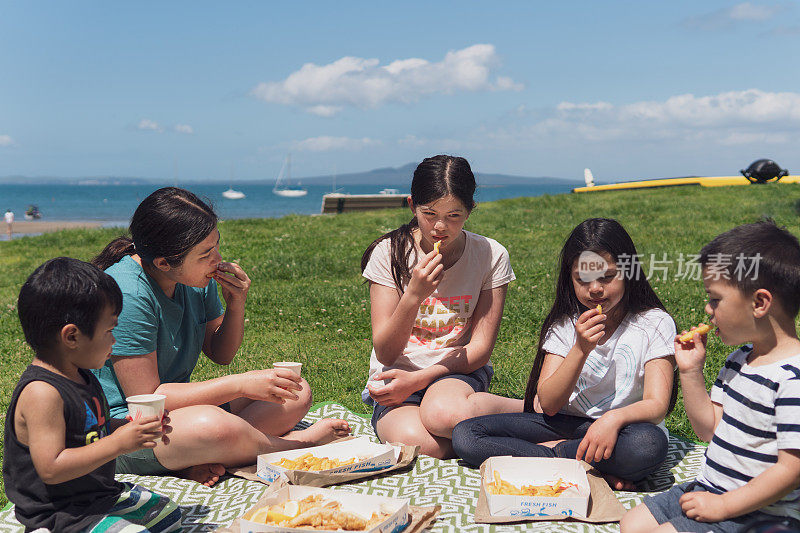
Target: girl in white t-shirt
(602, 381)
(437, 294)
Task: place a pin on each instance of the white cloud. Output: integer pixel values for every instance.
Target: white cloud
(326, 143)
(724, 18)
(735, 117)
(324, 110)
(6, 140)
(364, 83)
(149, 125)
(747, 11)
(184, 128)
(435, 145)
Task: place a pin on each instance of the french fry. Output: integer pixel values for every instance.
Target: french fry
(502, 487)
(701, 329)
(599, 309)
(436, 246)
(310, 463)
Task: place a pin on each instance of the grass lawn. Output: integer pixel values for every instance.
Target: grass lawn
(308, 301)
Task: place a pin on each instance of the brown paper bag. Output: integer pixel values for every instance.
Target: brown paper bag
(603, 504)
(315, 479)
(421, 517)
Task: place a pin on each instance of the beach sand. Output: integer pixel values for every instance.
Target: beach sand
(24, 227)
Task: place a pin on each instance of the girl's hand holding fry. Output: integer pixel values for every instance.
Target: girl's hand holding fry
(425, 276)
(590, 328)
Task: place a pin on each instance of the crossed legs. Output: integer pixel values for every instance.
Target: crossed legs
(206, 439)
(430, 424)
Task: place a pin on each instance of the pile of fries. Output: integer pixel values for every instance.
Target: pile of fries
(314, 512)
(501, 486)
(314, 464)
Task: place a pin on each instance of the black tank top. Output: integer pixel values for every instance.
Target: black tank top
(75, 504)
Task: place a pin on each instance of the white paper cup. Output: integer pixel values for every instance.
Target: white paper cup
(146, 406)
(294, 367)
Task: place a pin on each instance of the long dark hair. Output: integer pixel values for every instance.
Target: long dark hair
(434, 178)
(168, 223)
(599, 235)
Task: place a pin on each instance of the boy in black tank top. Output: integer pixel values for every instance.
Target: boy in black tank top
(60, 452)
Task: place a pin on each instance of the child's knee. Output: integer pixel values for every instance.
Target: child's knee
(647, 447)
(413, 435)
(440, 416)
(637, 520)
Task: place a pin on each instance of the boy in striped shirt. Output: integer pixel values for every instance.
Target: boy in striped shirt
(751, 470)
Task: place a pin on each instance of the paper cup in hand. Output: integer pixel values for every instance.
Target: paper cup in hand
(294, 367)
(146, 406)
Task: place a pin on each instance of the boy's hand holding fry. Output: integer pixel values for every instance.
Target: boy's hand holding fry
(689, 354)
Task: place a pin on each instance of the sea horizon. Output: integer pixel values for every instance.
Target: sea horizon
(113, 205)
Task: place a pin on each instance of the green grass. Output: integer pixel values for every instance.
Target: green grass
(308, 301)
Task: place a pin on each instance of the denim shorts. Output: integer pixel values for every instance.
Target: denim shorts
(478, 380)
(666, 507)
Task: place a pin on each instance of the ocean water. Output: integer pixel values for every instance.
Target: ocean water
(114, 204)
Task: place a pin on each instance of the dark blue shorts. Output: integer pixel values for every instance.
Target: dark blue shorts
(478, 380)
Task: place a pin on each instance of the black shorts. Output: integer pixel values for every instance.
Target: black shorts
(478, 380)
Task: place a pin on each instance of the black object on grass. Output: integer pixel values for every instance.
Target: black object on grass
(763, 171)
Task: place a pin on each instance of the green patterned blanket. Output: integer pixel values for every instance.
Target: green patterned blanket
(429, 482)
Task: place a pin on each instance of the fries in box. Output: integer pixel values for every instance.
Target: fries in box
(352, 455)
(534, 486)
(296, 507)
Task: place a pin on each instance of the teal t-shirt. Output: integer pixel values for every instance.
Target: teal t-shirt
(174, 327)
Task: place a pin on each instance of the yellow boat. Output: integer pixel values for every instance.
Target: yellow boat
(703, 181)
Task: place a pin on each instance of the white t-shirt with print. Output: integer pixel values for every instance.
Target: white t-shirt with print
(613, 374)
(444, 318)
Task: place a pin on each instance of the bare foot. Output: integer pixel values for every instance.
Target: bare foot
(207, 474)
(617, 483)
(321, 432)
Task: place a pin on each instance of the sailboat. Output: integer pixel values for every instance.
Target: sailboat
(231, 193)
(285, 190)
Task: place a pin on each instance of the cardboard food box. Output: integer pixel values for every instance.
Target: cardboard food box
(520, 471)
(369, 456)
(361, 504)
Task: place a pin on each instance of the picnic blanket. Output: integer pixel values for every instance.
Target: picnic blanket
(429, 482)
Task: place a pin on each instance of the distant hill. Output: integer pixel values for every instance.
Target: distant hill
(400, 177)
(94, 180)
(395, 177)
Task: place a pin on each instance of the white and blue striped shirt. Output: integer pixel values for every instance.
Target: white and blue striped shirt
(760, 415)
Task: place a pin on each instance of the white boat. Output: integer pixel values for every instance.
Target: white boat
(390, 191)
(287, 191)
(232, 194)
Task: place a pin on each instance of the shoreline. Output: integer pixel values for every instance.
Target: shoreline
(27, 227)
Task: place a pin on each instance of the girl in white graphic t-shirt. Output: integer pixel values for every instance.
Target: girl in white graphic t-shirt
(602, 380)
(437, 294)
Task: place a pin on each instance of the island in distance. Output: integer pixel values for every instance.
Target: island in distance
(395, 177)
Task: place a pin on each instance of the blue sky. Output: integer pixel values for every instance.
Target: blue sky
(629, 89)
